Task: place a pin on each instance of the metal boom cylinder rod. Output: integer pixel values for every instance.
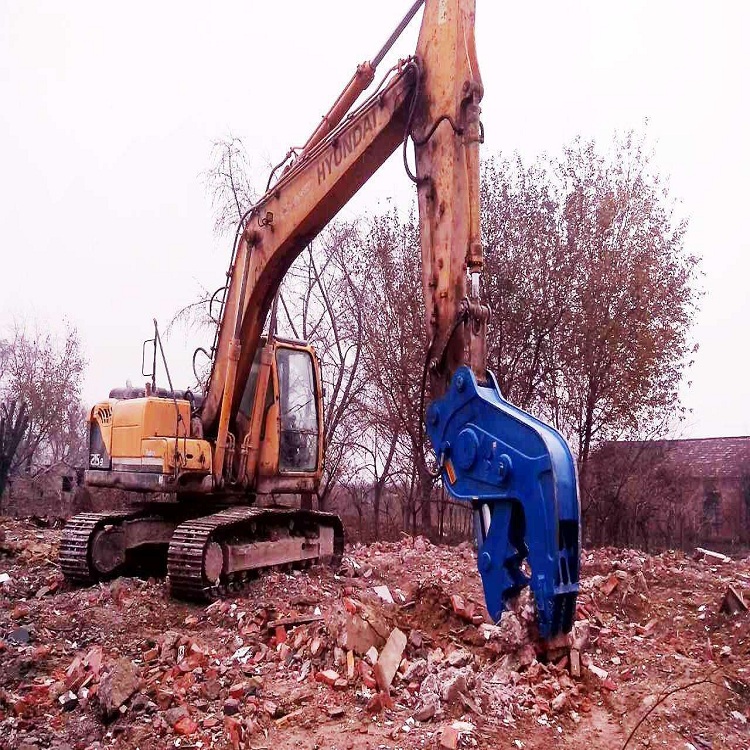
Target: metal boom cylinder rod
(361, 79)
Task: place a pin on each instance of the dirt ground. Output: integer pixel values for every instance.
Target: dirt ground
(281, 664)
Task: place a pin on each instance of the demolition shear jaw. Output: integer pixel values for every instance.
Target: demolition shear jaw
(519, 476)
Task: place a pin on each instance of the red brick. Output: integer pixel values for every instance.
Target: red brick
(239, 689)
(185, 726)
(327, 677)
(449, 738)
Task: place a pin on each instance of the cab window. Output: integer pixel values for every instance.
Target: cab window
(298, 411)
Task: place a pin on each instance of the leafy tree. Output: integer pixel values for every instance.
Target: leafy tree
(624, 350)
(593, 292)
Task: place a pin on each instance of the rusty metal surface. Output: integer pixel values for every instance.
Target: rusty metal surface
(192, 558)
(74, 555)
(292, 213)
(446, 131)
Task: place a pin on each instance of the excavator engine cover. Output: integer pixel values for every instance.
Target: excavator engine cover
(520, 477)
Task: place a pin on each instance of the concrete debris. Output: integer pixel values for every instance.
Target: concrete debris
(426, 711)
(68, 700)
(117, 684)
(559, 702)
(121, 664)
(602, 674)
(384, 593)
(580, 635)
(452, 734)
(459, 658)
(416, 671)
(713, 556)
(454, 684)
(575, 663)
(733, 602)
(389, 659)
(361, 630)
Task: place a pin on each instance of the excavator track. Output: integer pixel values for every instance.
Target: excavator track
(212, 555)
(75, 545)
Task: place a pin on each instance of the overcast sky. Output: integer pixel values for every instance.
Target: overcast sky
(108, 113)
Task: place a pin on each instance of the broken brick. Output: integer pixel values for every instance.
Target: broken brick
(449, 738)
(378, 702)
(186, 726)
(239, 689)
(389, 659)
(327, 677)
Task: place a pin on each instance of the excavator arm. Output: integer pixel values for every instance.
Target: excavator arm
(517, 473)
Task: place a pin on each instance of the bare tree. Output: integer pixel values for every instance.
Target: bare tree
(593, 293)
(528, 278)
(13, 424)
(228, 183)
(322, 302)
(44, 372)
(632, 304)
(394, 356)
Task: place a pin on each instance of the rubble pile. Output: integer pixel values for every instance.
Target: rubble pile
(394, 650)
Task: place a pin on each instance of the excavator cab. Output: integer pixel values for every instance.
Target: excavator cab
(281, 414)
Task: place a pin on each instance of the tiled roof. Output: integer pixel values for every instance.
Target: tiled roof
(721, 457)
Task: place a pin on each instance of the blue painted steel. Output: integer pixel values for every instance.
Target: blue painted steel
(520, 477)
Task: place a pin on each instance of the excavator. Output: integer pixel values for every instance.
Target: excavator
(224, 480)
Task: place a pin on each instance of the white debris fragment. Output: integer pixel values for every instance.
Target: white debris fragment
(384, 593)
(241, 654)
(713, 555)
(602, 674)
(4, 578)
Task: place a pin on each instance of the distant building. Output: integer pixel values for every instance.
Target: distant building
(668, 493)
(47, 492)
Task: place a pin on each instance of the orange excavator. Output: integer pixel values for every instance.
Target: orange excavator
(211, 475)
